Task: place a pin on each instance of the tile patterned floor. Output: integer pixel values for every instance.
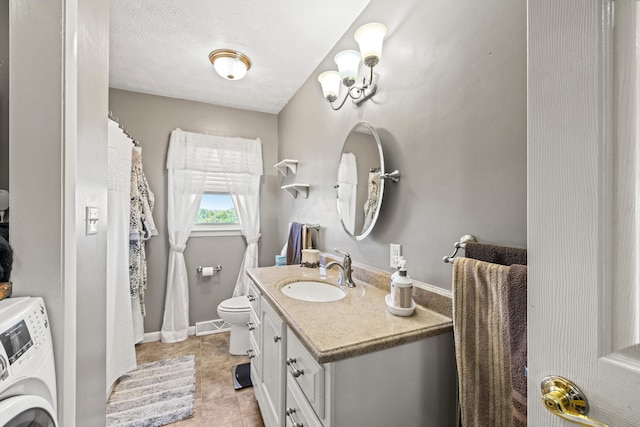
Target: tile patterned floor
(217, 403)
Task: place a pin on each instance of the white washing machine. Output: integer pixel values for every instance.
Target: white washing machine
(27, 370)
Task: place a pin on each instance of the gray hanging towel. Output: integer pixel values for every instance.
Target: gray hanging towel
(294, 245)
(503, 255)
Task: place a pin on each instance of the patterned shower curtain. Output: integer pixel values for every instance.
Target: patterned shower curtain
(141, 228)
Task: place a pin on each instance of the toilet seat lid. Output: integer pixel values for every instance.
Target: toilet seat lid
(240, 303)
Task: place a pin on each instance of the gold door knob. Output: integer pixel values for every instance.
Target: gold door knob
(564, 399)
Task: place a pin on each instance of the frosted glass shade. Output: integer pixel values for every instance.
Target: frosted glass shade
(330, 81)
(348, 62)
(230, 68)
(369, 38)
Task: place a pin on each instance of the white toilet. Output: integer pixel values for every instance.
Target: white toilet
(235, 311)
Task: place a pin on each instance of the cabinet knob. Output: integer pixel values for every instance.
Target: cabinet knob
(294, 422)
(250, 353)
(276, 338)
(251, 326)
(294, 368)
(252, 298)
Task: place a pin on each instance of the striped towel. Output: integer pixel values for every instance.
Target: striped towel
(480, 328)
(517, 301)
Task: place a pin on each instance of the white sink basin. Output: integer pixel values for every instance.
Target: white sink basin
(313, 291)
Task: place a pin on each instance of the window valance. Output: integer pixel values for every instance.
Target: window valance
(214, 154)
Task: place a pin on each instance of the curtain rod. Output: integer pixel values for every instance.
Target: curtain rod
(115, 119)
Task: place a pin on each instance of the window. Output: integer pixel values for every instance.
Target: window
(217, 216)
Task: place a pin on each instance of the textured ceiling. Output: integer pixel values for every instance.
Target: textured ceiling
(162, 47)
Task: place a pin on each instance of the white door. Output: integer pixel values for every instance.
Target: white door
(583, 205)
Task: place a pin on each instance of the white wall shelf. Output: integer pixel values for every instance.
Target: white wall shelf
(294, 189)
(287, 165)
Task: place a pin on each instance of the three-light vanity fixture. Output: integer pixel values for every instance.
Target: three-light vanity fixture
(230, 64)
(369, 38)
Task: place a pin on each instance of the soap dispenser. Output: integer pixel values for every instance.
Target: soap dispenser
(395, 275)
(402, 287)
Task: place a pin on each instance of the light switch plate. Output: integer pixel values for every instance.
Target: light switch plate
(92, 220)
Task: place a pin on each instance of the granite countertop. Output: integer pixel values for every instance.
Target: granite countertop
(360, 322)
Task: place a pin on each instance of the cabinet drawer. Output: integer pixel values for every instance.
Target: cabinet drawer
(254, 297)
(254, 325)
(256, 360)
(304, 371)
(297, 410)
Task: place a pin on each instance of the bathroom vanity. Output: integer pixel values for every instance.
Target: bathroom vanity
(349, 362)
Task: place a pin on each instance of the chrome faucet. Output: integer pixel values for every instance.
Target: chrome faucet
(345, 270)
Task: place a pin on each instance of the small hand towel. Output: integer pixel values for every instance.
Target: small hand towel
(482, 343)
(294, 244)
(503, 255)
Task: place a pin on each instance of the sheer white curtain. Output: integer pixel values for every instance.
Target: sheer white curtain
(197, 163)
(185, 192)
(245, 190)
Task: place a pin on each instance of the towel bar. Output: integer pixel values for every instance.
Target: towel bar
(461, 244)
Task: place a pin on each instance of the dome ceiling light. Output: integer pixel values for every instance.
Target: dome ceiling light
(230, 64)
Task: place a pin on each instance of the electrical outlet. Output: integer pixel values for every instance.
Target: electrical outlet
(395, 251)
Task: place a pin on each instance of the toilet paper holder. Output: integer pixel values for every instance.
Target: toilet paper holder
(216, 268)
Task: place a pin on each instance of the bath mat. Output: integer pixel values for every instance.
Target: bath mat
(242, 376)
(154, 394)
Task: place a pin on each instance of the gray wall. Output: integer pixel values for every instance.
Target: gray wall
(4, 96)
(150, 119)
(58, 147)
(451, 114)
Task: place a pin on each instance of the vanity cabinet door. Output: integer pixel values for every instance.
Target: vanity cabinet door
(273, 376)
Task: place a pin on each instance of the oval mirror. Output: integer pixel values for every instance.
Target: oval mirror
(360, 186)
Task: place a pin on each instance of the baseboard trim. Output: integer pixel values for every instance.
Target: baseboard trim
(222, 326)
(155, 336)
